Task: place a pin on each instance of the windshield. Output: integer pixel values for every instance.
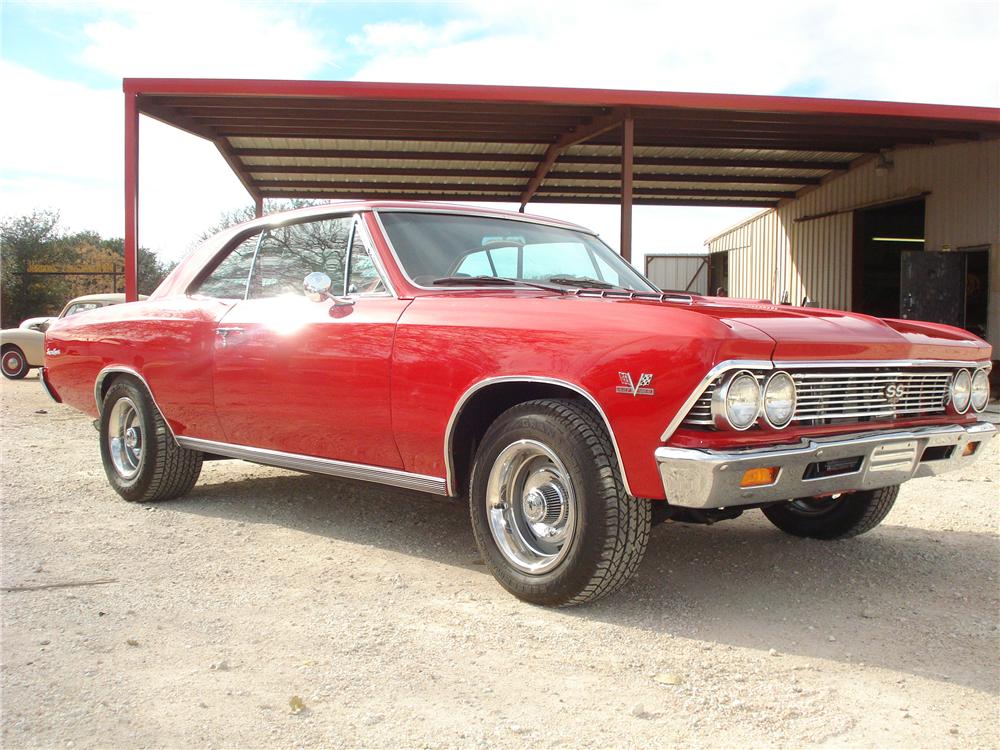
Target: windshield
(435, 249)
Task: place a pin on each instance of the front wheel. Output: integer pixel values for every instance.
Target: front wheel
(15, 366)
(838, 517)
(141, 458)
(549, 511)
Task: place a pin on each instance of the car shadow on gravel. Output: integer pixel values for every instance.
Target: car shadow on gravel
(906, 599)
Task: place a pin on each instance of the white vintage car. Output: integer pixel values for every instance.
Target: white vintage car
(23, 348)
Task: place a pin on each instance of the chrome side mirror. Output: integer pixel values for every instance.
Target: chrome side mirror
(317, 286)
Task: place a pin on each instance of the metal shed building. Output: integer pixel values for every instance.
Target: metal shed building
(911, 232)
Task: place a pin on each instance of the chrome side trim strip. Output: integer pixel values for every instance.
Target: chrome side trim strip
(134, 373)
(456, 411)
(314, 465)
(719, 369)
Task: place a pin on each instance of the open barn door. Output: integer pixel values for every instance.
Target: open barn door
(932, 286)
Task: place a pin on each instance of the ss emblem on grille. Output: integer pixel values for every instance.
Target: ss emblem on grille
(894, 392)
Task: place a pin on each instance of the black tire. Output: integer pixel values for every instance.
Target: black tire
(15, 365)
(851, 514)
(163, 469)
(611, 529)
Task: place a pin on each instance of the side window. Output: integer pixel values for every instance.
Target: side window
(229, 279)
(287, 254)
(364, 277)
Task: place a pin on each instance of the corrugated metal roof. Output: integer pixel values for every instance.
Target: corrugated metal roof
(432, 142)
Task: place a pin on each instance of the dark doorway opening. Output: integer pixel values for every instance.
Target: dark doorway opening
(977, 289)
(881, 235)
(718, 274)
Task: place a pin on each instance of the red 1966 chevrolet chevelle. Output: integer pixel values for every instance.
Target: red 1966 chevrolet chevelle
(520, 363)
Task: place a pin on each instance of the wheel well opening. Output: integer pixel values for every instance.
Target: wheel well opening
(482, 409)
(109, 380)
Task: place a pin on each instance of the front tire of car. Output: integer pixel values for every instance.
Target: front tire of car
(841, 517)
(550, 513)
(15, 366)
(142, 460)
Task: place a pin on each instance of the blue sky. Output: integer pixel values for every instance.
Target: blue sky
(63, 61)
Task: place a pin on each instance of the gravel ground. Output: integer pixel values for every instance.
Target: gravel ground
(270, 609)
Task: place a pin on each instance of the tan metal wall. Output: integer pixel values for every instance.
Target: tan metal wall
(772, 253)
(678, 272)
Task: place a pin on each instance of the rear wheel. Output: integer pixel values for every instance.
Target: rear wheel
(549, 511)
(15, 366)
(837, 517)
(141, 458)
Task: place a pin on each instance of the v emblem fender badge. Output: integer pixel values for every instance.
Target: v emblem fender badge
(635, 388)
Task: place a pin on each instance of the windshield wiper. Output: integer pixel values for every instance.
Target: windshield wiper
(583, 282)
(492, 281)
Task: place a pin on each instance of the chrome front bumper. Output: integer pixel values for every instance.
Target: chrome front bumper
(712, 479)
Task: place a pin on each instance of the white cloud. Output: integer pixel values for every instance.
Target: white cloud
(64, 150)
(933, 52)
(938, 52)
(206, 40)
(68, 156)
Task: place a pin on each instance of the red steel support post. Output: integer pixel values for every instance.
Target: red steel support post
(628, 138)
(258, 205)
(131, 197)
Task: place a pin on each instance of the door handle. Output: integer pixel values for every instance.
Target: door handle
(226, 332)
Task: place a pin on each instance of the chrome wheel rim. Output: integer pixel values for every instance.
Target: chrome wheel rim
(125, 439)
(531, 506)
(12, 362)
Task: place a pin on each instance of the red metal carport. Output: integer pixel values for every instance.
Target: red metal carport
(335, 139)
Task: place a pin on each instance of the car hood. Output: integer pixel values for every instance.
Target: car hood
(802, 333)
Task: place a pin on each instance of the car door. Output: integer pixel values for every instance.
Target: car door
(306, 377)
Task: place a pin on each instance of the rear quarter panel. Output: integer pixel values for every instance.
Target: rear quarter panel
(168, 342)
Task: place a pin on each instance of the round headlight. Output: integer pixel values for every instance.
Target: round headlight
(961, 391)
(980, 389)
(779, 400)
(736, 403)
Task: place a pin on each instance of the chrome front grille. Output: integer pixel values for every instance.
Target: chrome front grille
(855, 394)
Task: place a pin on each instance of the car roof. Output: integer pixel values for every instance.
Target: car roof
(116, 297)
(349, 206)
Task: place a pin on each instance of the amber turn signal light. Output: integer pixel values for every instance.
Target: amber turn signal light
(969, 449)
(759, 477)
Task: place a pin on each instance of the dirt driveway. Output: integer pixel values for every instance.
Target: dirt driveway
(372, 608)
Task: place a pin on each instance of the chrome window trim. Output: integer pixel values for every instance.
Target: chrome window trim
(788, 364)
(103, 374)
(479, 385)
(530, 220)
(719, 369)
(315, 465)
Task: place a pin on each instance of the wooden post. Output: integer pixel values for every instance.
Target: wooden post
(628, 138)
(131, 197)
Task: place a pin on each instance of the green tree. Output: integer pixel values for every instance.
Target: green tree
(36, 239)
